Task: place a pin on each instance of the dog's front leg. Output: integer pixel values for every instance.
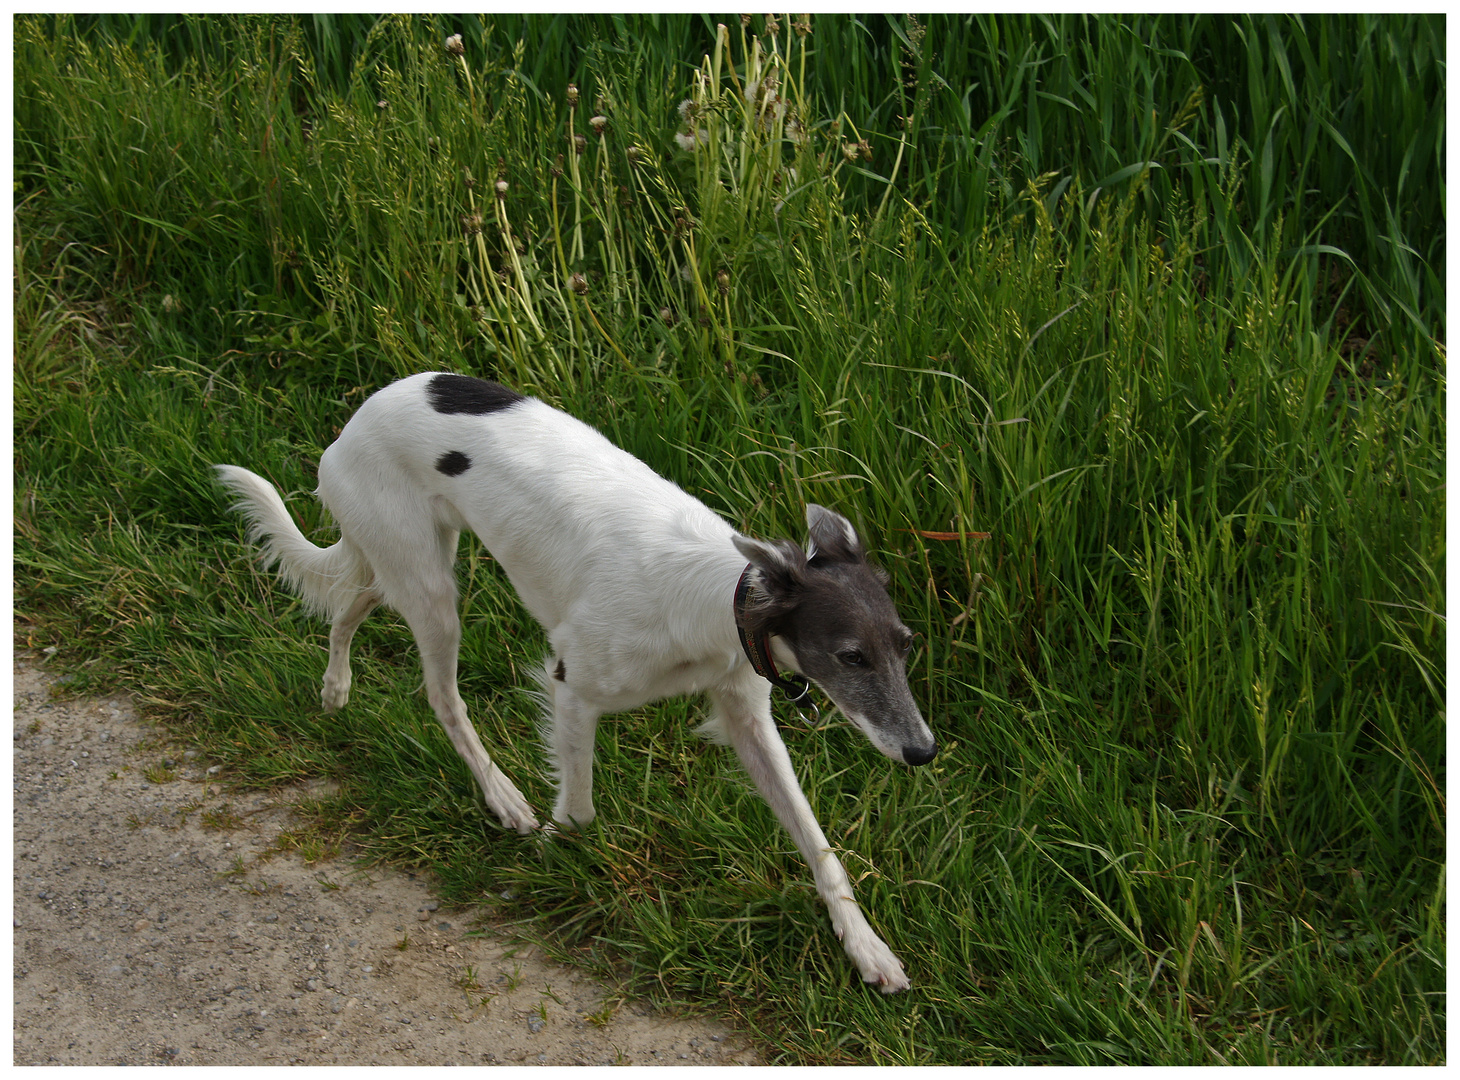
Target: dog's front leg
(572, 725)
(748, 724)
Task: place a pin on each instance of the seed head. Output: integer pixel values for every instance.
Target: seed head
(772, 25)
(599, 124)
(803, 27)
(635, 155)
(572, 95)
(382, 104)
(722, 281)
(454, 47)
(688, 110)
(579, 284)
(692, 140)
(668, 317)
(501, 189)
(471, 224)
(580, 143)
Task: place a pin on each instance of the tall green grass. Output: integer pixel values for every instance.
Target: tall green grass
(1334, 123)
(1190, 803)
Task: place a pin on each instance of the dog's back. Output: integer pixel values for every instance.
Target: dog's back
(587, 534)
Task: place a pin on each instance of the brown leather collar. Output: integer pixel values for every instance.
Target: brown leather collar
(758, 650)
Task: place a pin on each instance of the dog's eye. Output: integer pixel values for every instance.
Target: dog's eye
(853, 658)
(907, 644)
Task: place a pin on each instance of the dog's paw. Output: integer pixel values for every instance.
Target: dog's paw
(520, 818)
(512, 810)
(335, 695)
(570, 820)
(876, 963)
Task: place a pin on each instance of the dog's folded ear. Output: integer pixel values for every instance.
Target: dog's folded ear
(832, 537)
(780, 568)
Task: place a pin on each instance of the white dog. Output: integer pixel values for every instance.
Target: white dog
(643, 591)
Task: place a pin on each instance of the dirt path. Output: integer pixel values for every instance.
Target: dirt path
(144, 936)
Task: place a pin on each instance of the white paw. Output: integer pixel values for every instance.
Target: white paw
(512, 809)
(876, 963)
(335, 694)
(570, 819)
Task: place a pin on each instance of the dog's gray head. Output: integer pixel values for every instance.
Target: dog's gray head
(828, 610)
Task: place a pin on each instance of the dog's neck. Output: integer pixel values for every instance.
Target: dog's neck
(757, 646)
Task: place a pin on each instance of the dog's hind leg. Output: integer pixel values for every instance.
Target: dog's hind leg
(337, 675)
(426, 596)
(747, 722)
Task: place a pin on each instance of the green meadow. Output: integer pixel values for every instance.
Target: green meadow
(1120, 339)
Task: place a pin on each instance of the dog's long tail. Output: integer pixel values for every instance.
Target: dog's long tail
(327, 579)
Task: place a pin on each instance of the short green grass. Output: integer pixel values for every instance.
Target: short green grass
(1190, 804)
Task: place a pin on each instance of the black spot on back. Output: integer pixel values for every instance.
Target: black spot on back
(453, 463)
(463, 394)
(560, 673)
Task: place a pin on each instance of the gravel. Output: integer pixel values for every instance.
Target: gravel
(146, 934)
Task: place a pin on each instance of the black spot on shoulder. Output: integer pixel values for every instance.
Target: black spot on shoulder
(463, 394)
(560, 672)
(453, 463)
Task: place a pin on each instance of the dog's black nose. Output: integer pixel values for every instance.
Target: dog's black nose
(918, 755)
